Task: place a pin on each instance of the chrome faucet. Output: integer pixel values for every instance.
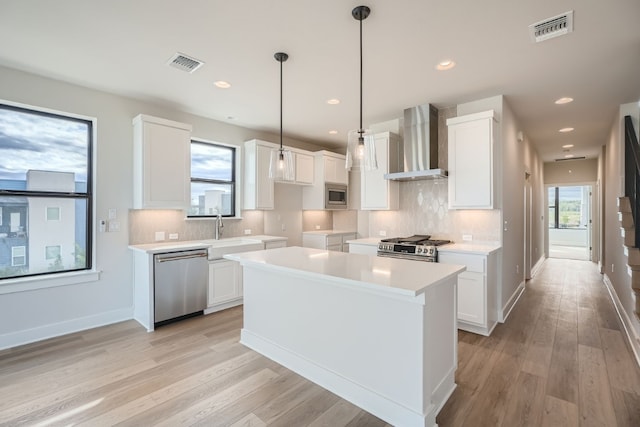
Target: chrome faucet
(219, 226)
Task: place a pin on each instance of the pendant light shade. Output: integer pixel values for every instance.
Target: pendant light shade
(361, 150)
(281, 164)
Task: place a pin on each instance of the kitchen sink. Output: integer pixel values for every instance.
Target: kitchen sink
(219, 248)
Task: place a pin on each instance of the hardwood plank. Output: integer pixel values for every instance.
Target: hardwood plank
(623, 372)
(627, 408)
(562, 381)
(249, 421)
(596, 407)
(538, 357)
(588, 328)
(525, 405)
(219, 400)
(341, 413)
(305, 413)
(558, 412)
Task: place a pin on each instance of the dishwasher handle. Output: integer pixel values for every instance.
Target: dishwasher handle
(181, 257)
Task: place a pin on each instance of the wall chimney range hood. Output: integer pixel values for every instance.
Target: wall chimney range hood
(420, 145)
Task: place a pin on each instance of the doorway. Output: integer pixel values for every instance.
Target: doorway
(569, 231)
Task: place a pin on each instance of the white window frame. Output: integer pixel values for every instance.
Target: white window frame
(30, 283)
(14, 256)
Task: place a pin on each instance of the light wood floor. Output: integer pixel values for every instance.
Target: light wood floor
(560, 359)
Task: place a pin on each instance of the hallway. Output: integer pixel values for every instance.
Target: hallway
(560, 359)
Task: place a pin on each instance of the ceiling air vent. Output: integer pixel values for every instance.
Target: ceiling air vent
(184, 63)
(552, 27)
(571, 158)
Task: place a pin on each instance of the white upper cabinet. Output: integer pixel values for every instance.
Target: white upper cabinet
(304, 168)
(334, 168)
(328, 168)
(376, 192)
(161, 163)
(258, 187)
(471, 162)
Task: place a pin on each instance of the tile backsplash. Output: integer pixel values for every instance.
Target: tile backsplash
(423, 210)
(144, 223)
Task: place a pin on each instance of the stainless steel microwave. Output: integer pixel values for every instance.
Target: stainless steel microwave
(335, 196)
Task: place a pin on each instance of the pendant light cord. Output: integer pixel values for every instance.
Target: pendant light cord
(280, 107)
(360, 130)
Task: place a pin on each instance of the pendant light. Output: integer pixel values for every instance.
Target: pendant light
(281, 164)
(361, 150)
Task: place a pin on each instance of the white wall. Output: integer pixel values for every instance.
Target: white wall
(571, 171)
(33, 315)
(614, 260)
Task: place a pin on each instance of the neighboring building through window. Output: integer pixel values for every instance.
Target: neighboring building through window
(45, 171)
(213, 180)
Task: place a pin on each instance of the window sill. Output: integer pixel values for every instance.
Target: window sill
(25, 284)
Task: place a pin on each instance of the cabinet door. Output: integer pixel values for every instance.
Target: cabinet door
(304, 168)
(264, 185)
(334, 170)
(162, 168)
(224, 284)
(471, 298)
(471, 164)
(378, 193)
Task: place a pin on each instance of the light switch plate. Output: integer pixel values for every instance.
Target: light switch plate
(113, 213)
(173, 236)
(383, 233)
(247, 231)
(467, 237)
(113, 225)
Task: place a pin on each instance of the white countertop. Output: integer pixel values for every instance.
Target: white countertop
(329, 232)
(483, 248)
(399, 276)
(153, 248)
(370, 241)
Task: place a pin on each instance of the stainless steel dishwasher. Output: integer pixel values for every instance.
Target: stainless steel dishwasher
(180, 284)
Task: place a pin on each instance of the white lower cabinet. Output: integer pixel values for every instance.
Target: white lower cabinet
(477, 293)
(328, 240)
(225, 285)
(275, 244)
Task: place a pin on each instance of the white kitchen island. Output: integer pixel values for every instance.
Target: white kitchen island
(379, 332)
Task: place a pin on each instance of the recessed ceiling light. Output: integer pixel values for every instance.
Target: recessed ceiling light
(564, 130)
(568, 156)
(333, 101)
(567, 146)
(447, 64)
(222, 84)
(564, 100)
(333, 132)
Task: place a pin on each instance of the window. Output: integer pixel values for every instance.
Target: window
(213, 180)
(51, 252)
(53, 214)
(49, 172)
(568, 207)
(18, 256)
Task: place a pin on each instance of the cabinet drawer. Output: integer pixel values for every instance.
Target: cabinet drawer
(334, 240)
(476, 263)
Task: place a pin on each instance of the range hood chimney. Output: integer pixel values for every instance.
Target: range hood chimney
(420, 145)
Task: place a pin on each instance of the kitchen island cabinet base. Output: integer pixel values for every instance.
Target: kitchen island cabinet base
(392, 355)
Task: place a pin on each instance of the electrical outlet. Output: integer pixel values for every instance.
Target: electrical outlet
(113, 213)
(317, 227)
(247, 231)
(382, 233)
(159, 236)
(284, 227)
(467, 237)
(612, 268)
(173, 236)
(517, 269)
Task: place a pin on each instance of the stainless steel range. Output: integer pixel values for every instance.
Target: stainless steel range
(417, 247)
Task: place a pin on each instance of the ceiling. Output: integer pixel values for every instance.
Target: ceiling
(122, 46)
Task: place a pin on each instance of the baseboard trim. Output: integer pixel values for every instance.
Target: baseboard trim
(632, 337)
(506, 310)
(538, 265)
(14, 339)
